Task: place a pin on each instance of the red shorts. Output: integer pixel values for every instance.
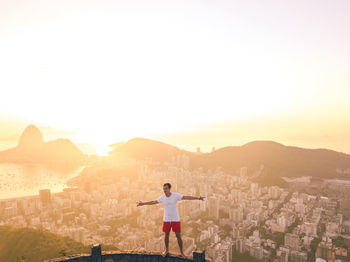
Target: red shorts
(175, 225)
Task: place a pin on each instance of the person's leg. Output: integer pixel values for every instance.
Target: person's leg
(166, 242)
(179, 241)
(177, 229)
(166, 230)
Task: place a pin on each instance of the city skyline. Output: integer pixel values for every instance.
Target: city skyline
(202, 136)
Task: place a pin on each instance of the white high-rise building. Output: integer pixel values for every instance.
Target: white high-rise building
(236, 214)
(243, 171)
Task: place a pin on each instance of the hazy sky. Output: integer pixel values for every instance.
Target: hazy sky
(113, 70)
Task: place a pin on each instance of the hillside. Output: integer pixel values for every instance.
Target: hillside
(141, 148)
(36, 245)
(278, 160)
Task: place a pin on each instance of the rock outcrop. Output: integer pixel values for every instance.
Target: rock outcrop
(32, 149)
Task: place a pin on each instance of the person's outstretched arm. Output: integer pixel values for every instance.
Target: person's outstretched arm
(192, 198)
(140, 203)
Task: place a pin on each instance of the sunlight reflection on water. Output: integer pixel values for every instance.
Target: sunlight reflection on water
(17, 180)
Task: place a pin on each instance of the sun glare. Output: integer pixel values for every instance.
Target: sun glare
(113, 75)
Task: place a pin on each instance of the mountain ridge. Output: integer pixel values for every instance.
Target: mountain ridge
(278, 159)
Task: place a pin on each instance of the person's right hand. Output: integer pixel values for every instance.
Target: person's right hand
(139, 203)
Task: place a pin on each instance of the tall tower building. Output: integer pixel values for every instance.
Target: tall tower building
(45, 196)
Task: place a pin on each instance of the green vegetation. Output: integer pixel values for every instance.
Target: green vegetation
(21, 259)
(245, 257)
(293, 225)
(26, 244)
(313, 245)
(278, 237)
(339, 242)
(286, 200)
(32, 245)
(270, 179)
(62, 253)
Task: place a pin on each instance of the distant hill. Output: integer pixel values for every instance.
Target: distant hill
(142, 148)
(286, 160)
(36, 245)
(278, 160)
(32, 148)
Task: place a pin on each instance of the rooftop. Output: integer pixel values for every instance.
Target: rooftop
(126, 256)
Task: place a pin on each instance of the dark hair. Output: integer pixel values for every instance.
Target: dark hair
(167, 184)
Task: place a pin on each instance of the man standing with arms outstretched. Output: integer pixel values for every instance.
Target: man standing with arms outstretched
(171, 219)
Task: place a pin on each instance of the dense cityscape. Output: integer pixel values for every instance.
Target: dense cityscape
(238, 217)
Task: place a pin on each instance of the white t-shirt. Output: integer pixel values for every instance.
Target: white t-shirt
(170, 206)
